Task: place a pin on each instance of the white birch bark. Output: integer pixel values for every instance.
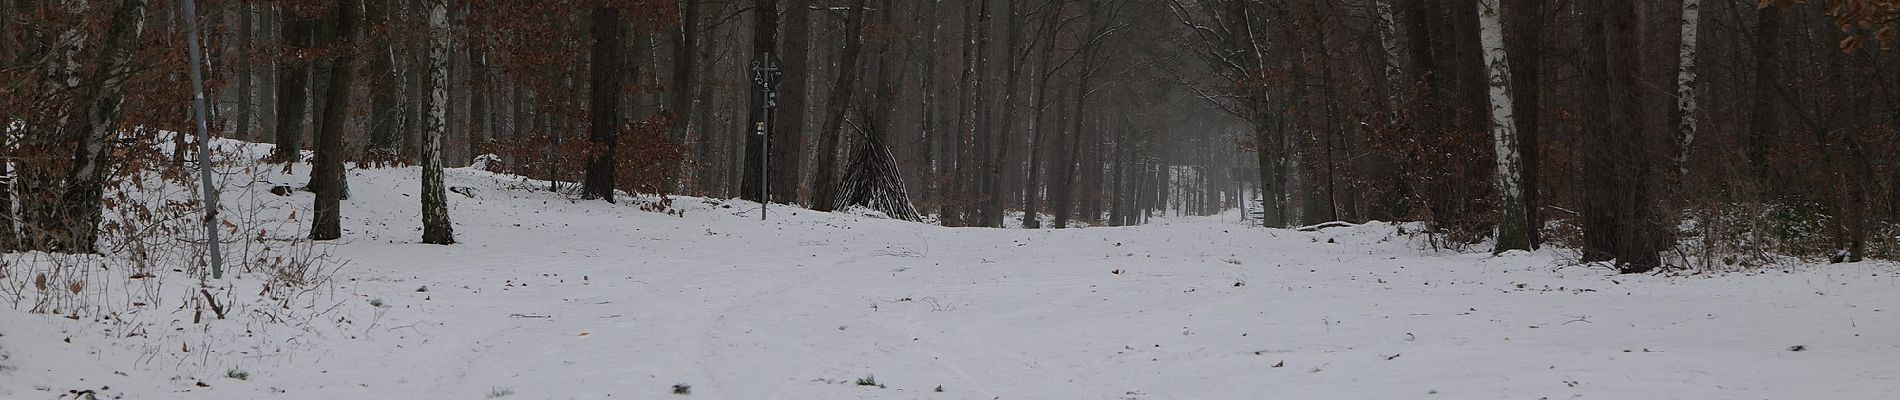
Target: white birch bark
(436, 228)
(1513, 227)
(1389, 42)
(1686, 83)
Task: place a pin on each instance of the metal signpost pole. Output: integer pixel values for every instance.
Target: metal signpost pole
(204, 140)
(759, 128)
(765, 73)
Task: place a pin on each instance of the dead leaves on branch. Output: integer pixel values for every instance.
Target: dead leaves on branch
(1861, 19)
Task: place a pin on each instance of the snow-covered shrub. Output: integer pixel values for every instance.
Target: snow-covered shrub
(150, 278)
(1741, 235)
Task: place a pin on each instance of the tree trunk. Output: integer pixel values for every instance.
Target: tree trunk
(1685, 112)
(1598, 214)
(1513, 227)
(436, 228)
(685, 62)
(1065, 192)
(326, 177)
(480, 89)
(293, 86)
(1118, 204)
(825, 183)
(1391, 46)
(1033, 185)
(999, 160)
(926, 144)
(83, 202)
(9, 240)
(764, 44)
(1524, 22)
(788, 137)
(1764, 121)
(603, 115)
(1621, 221)
(384, 118)
(245, 67)
(415, 100)
(956, 194)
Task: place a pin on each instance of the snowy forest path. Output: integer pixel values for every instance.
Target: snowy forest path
(550, 298)
(805, 306)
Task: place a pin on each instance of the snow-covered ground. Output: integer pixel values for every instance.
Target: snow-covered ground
(549, 298)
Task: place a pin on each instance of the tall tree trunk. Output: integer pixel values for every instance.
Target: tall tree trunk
(1069, 164)
(1270, 125)
(928, 133)
(1033, 184)
(788, 137)
(416, 86)
(384, 116)
(971, 116)
(1598, 213)
(293, 85)
(764, 44)
(9, 239)
(1524, 24)
(685, 62)
(436, 227)
(320, 74)
(522, 120)
(83, 202)
(1065, 191)
(269, 29)
(244, 68)
(1685, 112)
(1764, 100)
(999, 159)
(1621, 220)
(825, 182)
(1391, 46)
(890, 81)
(480, 89)
(326, 177)
(603, 113)
(1513, 227)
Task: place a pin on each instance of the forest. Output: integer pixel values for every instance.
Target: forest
(968, 199)
(1635, 131)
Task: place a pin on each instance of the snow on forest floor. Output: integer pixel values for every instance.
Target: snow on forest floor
(547, 298)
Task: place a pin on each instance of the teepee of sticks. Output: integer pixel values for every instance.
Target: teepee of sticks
(873, 181)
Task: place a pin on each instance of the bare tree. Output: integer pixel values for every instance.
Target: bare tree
(825, 183)
(293, 83)
(326, 176)
(604, 102)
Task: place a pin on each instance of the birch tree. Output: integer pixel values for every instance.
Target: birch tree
(97, 127)
(1513, 226)
(1686, 84)
(436, 228)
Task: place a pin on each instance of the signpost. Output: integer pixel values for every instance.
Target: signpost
(204, 140)
(766, 74)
